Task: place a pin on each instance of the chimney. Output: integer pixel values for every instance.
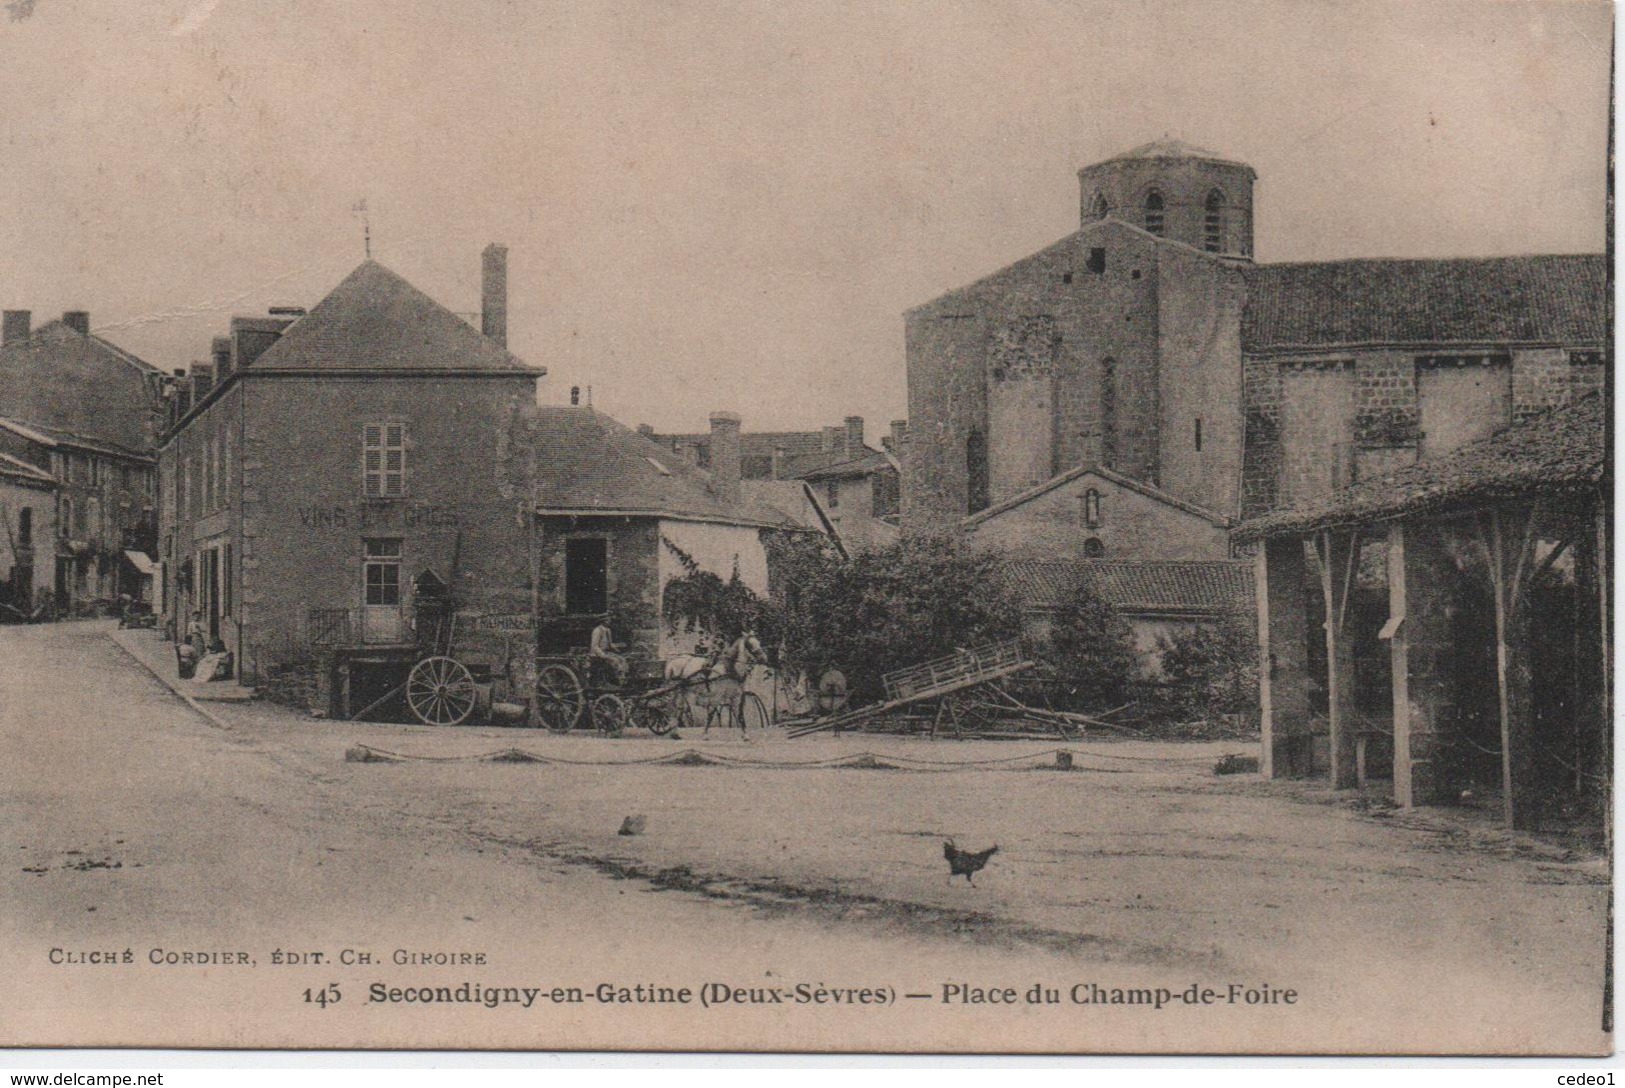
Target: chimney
(17, 326)
(251, 336)
(725, 454)
(899, 435)
(778, 462)
(646, 430)
(202, 381)
(77, 320)
(494, 293)
(575, 396)
(183, 393)
(854, 436)
(220, 351)
(831, 440)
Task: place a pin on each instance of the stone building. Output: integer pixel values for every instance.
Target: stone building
(1150, 344)
(27, 536)
(328, 472)
(85, 410)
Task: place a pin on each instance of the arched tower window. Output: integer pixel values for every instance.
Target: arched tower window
(1099, 209)
(1093, 548)
(976, 494)
(1213, 223)
(1153, 212)
(1091, 508)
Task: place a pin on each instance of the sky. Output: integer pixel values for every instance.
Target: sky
(714, 205)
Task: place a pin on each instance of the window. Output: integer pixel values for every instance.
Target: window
(25, 527)
(586, 576)
(208, 474)
(92, 528)
(1198, 434)
(384, 460)
(1097, 260)
(225, 580)
(225, 469)
(383, 572)
(1153, 212)
(1093, 548)
(1213, 223)
(64, 521)
(1108, 412)
(1091, 508)
(976, 482)
(1099, 209)
(832, 494)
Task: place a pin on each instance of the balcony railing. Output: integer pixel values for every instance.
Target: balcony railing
(342, 627)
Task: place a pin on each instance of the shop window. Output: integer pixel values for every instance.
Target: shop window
(586, 576)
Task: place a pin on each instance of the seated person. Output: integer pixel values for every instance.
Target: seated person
(185, 661)
(216, 664)
(603, 655)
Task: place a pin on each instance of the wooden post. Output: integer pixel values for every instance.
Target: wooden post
(1510, 544)
(1400, 664)
(1283, 651)
(1339, 556)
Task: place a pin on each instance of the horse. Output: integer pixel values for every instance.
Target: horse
(715, 683)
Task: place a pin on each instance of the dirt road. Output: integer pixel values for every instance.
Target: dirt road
(133, 823)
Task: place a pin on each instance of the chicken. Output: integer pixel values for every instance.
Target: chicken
(965, 862)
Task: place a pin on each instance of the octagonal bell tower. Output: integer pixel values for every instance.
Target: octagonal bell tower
(1176, 191)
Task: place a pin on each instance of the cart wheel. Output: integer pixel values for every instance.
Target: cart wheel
(610, 714)
(440, 691)
(753, 712)
(655, 715)
(559, 698)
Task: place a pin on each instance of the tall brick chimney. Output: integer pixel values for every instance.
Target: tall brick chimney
(831, 440)
(725, 454)
(899, 435)
(77, 320)
(18, 325)
(220, 352)
(854, 436)
(494, 293)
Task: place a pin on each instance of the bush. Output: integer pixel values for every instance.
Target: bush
(1089, 655)
(1208, 671)
(887, 609)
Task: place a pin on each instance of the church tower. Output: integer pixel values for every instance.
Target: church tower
(1175, 191)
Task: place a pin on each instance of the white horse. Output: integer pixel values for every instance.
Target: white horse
(714, 684)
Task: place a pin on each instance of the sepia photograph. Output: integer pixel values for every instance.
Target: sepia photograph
(917, 527)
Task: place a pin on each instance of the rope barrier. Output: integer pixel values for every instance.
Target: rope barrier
(363, 753)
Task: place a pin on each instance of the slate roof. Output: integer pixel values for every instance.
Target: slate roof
(590, 464)
(1560, 451)
(1138, 586)
(1327, 304)
(17, 469)
(867, 462)
(374, 319)
(1167, 148)
(51, 437)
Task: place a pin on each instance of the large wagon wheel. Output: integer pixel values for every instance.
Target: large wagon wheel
(440, 691)
(610, 714)
(559, 698)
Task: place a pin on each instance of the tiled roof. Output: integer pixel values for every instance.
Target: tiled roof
(18, 469)
(754, 443)
(790, 497)
(1138, 587)
(374, 319)
(1550, 299)
(589, 463)
(1563, 450)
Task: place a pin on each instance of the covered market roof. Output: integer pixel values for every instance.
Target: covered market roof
(1563, 450)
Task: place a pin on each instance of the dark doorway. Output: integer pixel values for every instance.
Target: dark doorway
(586, 576)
